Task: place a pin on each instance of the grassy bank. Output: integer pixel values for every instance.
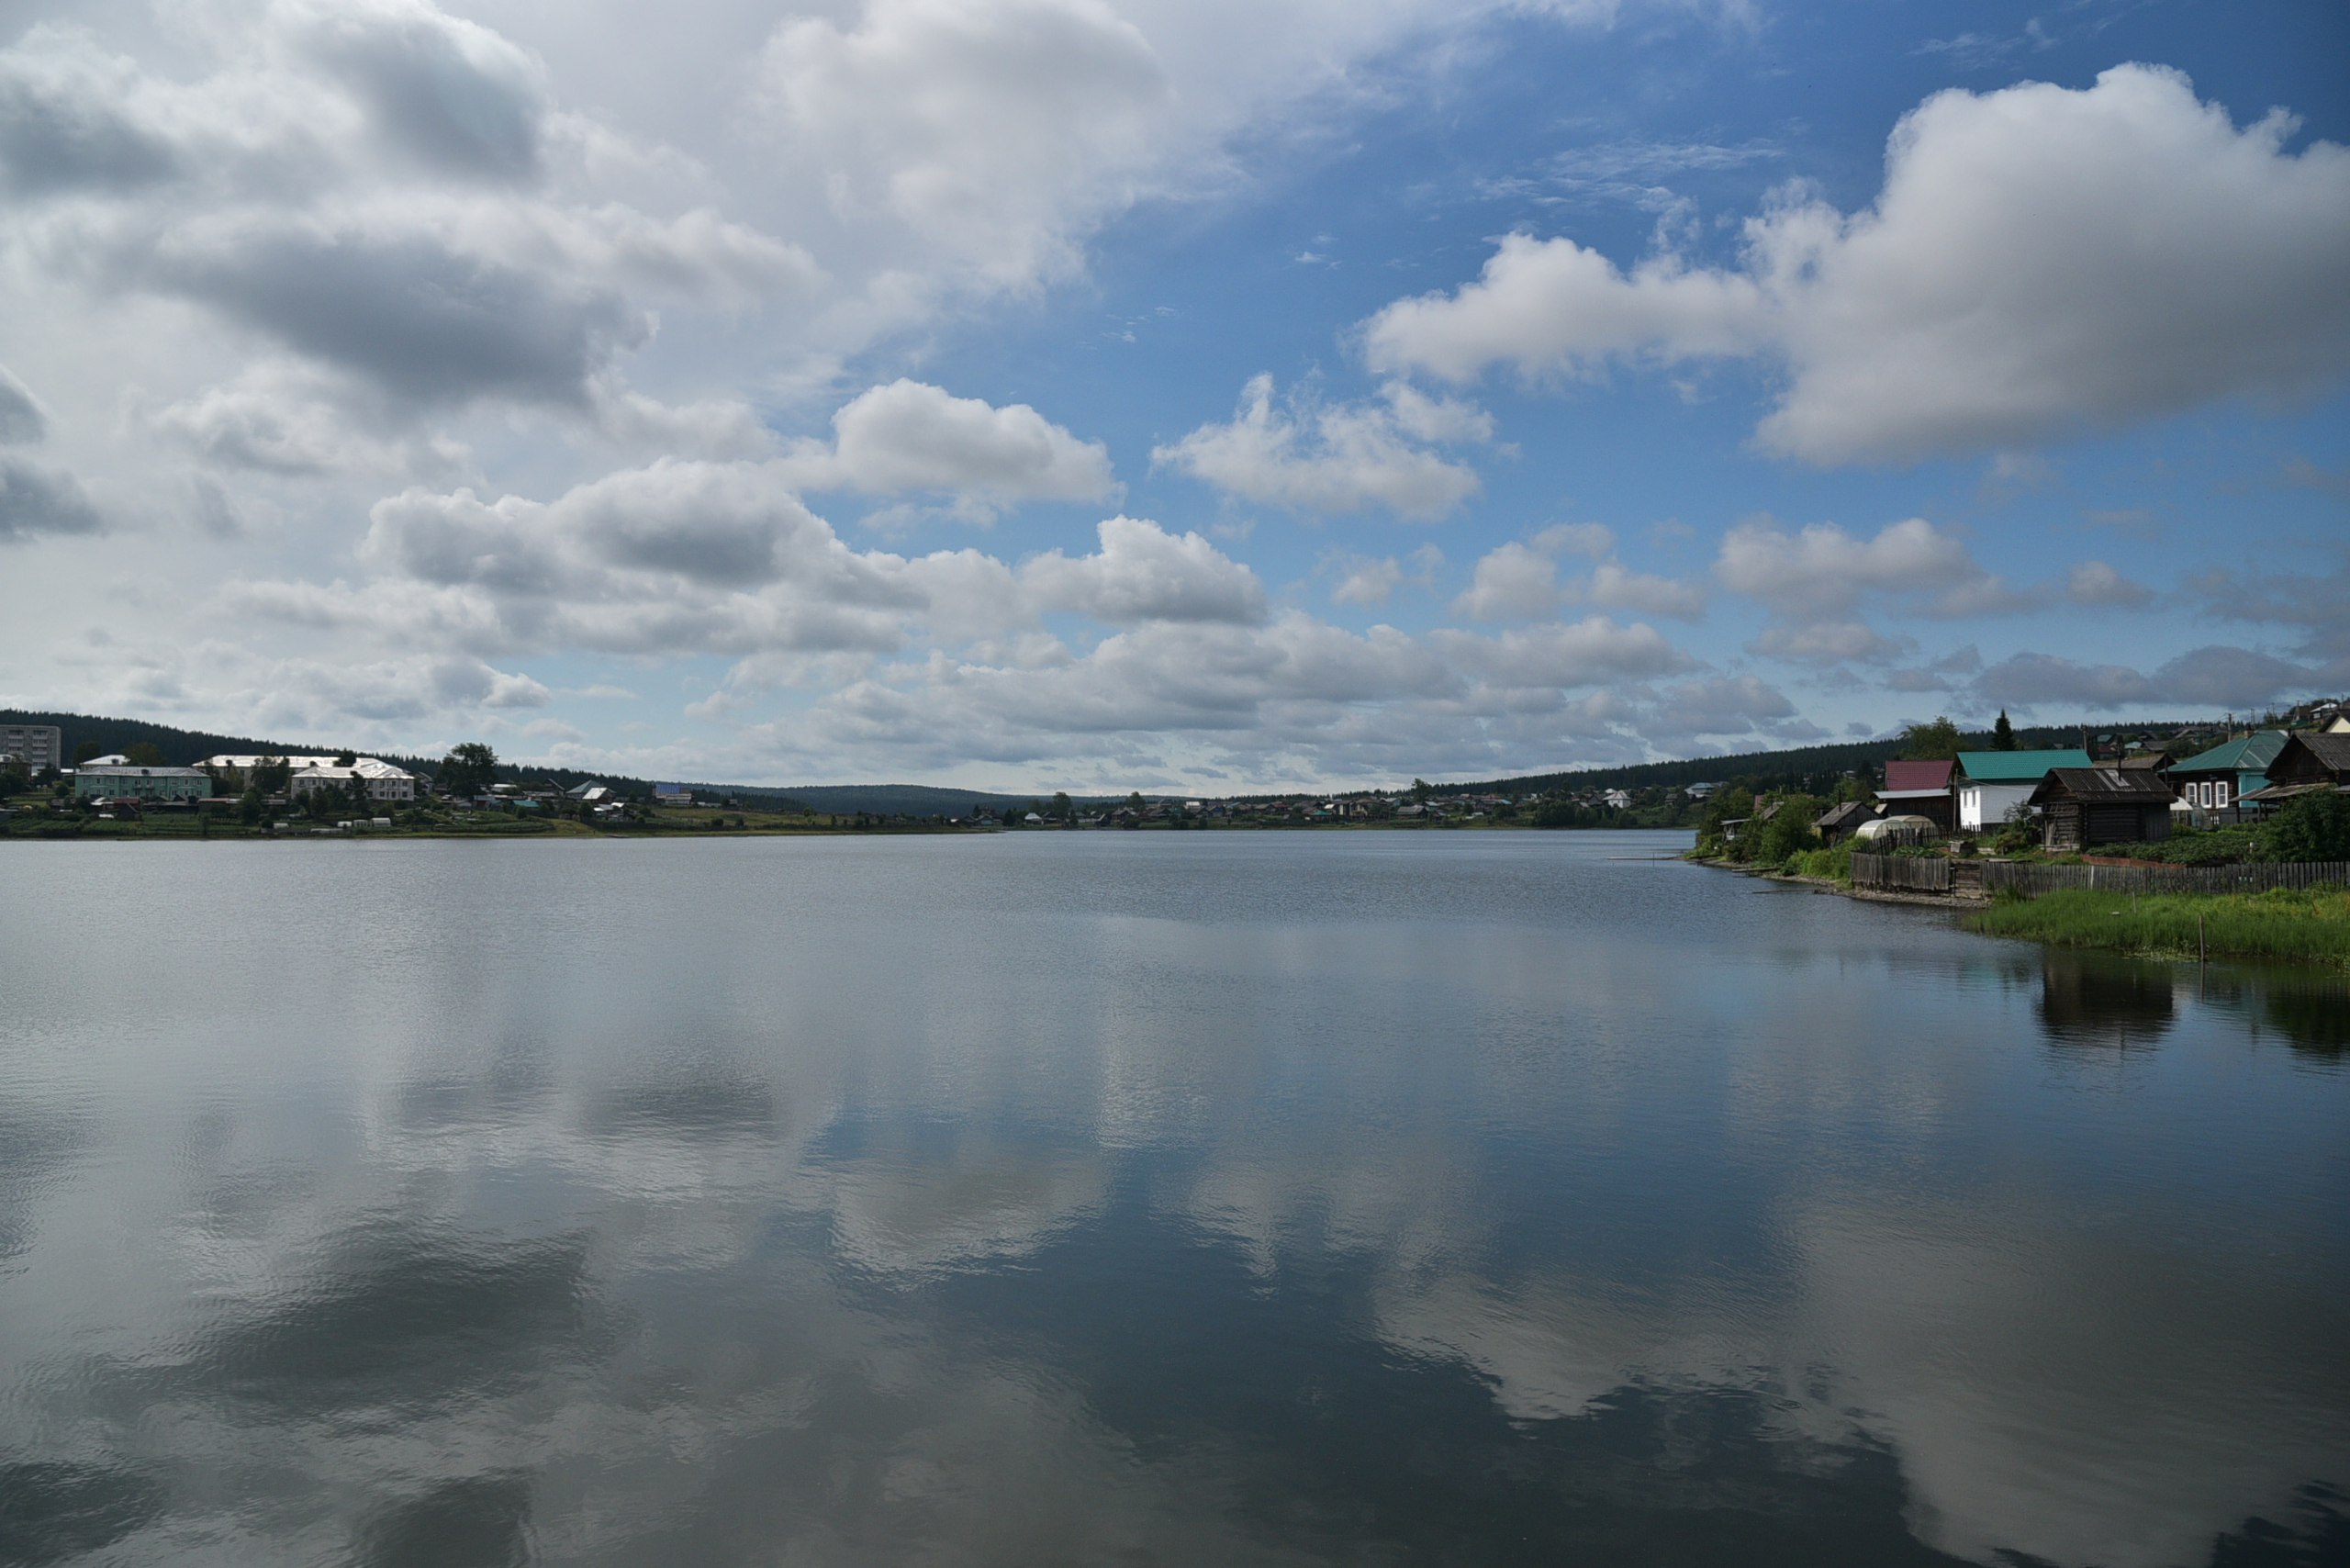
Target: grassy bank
(2305, 926)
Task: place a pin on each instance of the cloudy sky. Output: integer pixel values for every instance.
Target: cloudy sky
(1070, 393)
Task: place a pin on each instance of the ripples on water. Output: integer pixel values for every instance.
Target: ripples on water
(1182, 1198)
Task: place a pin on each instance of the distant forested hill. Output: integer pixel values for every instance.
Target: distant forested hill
(1800, 766)
(905, 800)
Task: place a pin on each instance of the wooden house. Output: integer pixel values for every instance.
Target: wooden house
(2211, 782)
(2306, 764)
(2081, 808)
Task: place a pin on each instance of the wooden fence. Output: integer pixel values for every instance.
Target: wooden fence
(2033, 880)
(1910, 873)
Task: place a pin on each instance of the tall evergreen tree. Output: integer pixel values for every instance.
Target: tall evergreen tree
(2003, 734)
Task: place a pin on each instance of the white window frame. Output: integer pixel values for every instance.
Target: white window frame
(2220, 794)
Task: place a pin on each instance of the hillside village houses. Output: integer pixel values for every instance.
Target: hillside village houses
(2078, 802)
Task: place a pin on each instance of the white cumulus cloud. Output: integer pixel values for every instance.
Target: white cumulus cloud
(909, 437)
(1334, 458)
(2041, 260)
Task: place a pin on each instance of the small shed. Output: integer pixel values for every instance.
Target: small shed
(1841, 820)
(2083, 807)
(1920, 788)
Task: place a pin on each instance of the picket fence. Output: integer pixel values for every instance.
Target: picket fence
(1912, 874)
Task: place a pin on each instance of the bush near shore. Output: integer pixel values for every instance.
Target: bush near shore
(2303, 924)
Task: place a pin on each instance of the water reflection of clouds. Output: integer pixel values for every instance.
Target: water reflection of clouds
(2040, 1391)
(901, 1211)
(648, 1277)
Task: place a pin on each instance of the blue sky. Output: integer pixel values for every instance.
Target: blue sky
(1069, 394)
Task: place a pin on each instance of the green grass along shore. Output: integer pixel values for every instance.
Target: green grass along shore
(2308, 926)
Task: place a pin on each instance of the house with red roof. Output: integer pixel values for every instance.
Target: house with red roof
(1920, 789)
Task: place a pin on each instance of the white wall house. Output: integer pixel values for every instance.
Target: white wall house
(1992, 784)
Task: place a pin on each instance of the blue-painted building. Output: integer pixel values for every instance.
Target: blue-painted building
(2216, 779)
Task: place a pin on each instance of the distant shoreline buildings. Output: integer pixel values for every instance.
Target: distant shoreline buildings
(309, 774)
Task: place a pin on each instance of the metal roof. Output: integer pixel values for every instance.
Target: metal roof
(2245, 753)
(1903, 775)
(2017, 767)
(2104, 786)
(1844, 813)
(372, 767)
(112, 770)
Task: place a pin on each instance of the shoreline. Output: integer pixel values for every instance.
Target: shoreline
(2271, 927)
(566, 828)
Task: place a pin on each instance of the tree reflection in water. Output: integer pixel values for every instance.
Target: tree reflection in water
(2095, 999)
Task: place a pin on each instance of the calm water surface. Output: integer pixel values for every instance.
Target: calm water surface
(1205, 1198)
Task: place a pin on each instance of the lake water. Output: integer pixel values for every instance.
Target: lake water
(1187, 1198)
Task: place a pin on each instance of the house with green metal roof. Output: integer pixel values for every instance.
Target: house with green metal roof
(2216, 779)
(1990, 785)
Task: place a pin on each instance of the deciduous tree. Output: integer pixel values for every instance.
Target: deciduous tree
(1936, 741)
(468, 769)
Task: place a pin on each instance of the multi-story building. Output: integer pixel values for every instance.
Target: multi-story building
(115, 782)
(385, 782)
(42, 746)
